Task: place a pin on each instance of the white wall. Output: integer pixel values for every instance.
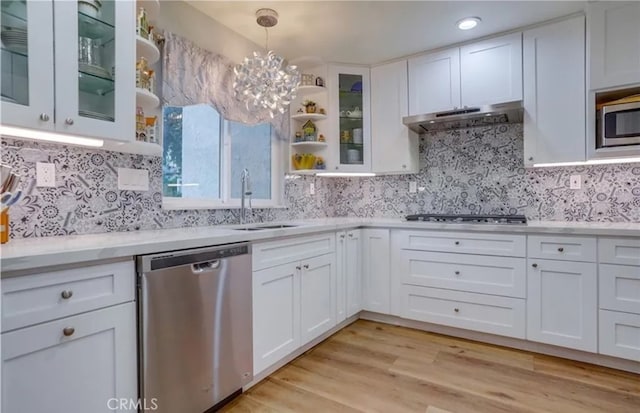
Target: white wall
(184, 20)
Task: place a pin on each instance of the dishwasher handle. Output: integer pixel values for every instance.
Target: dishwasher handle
(207, 266)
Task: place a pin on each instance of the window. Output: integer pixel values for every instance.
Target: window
(204, 155)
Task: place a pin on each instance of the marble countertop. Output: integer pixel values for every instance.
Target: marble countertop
(22, 255)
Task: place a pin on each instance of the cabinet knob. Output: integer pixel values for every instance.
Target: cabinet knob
(341, 235)
(531, 158)
(306, 266)
(68, 331)
(560, 249)
(337, 168)
(66, 294)
(457, 310)
(457, 272)
(404, 166)
(534, 265)
(44, 117)
(298, 267)
(350, 235)
(68, 121)
(457, 242)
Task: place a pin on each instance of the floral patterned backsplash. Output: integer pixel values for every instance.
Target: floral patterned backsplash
(86, 198)
(475, 170)
(481, 170)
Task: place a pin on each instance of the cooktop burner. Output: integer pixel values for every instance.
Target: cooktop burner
(474, 219)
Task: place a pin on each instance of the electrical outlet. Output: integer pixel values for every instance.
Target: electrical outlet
(575, 182)
(413, 187)
(312, 188)
(45, 174)
(133, 179)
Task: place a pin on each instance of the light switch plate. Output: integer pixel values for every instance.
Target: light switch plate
(45, 174)
(575, 182)
(413, 187)
(312, 188)
(133, 179)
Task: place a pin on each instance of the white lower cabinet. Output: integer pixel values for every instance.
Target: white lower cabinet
(77, 364)
(620, 334)
(562, 303)
(295, 302)
(376, 284)
(480, 312)
(353, 272)
(317, 296)
(276, 314)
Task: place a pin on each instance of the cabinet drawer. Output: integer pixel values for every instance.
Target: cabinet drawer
(272, 253)
(620, 334)
(620, 288)
(487, 313)
(473, 273)
(619, 250)
(559, 247)
(464, 242)
(36, 298)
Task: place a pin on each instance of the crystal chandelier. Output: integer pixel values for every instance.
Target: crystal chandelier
(262, 81)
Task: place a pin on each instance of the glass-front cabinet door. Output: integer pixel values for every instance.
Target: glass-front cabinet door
(26, 63)
(351, 126)
(95, 79)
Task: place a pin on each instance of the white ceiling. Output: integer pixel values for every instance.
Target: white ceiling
(369, 32)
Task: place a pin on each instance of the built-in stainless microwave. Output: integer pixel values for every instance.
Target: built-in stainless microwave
(618, 123)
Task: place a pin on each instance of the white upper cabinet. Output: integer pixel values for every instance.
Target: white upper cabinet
(554, 92)
(96, 99)
(434, 82)
(491, 71)
(92, 75)
(350, 119)
(614, 43)
(27, 64)
(394, 147)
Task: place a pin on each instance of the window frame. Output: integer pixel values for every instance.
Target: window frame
(278, 155)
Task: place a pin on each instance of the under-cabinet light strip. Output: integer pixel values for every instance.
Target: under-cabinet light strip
(345, 174)
(14, 132)
(589, 162)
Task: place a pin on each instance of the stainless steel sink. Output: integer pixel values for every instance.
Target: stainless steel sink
(261, 227)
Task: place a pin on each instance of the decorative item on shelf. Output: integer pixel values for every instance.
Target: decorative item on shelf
(9, 196)
(151, 36)
(298, 137)
(354, 113)
(357, 135)
(309, 106)
(356, 87)
(320, 163)
(265, 82)
(321, 138)
(309, 131)
(319, 81)
(307, 79)
(145, 76)
(345, 136)
(141, 125)
(322, 111)
(91, 8)
(152, 129)
(142, 24)
(303, 161)
(353, 156)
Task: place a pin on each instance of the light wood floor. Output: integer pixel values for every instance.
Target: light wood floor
(373, 367)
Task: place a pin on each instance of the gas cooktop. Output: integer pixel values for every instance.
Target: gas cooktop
(473, 219)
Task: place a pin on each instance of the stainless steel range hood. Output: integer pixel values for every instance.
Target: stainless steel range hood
(511, 112)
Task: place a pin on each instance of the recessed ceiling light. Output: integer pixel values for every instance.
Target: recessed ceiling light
(468, 23)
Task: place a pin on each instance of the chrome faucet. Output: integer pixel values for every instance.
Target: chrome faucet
(246, 191)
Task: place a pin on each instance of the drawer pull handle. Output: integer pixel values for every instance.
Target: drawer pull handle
(350, 235)
(298, 267)
(560, 249)
(457, 242)
(457, 310)
(68, 331)
(67, 294)
(342, 236)
(306, 266)
(457, 272)
(534, 265)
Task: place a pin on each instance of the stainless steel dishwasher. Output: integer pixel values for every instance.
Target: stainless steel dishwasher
(195, 326)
